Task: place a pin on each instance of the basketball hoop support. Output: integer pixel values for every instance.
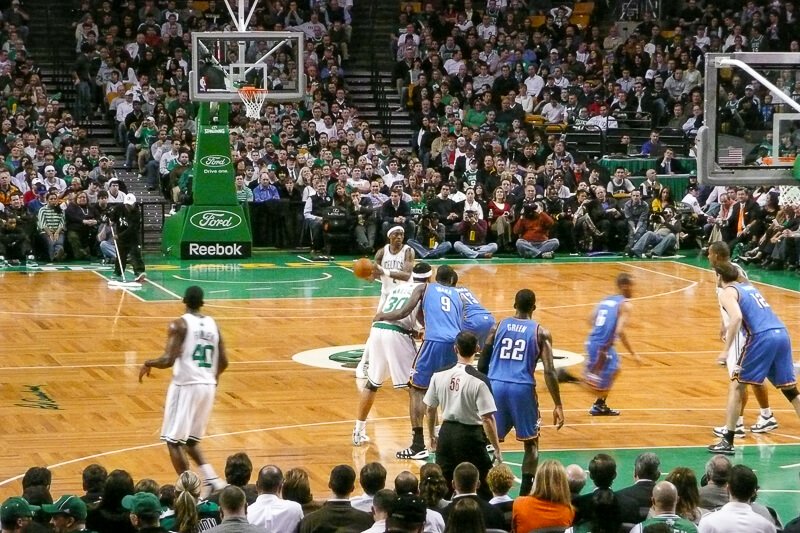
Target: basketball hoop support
(240, 21)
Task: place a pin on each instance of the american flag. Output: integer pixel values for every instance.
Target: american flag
(730, 156)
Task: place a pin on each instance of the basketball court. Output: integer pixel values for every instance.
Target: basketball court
(293, 330)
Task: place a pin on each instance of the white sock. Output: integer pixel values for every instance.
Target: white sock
(766, 412)
(207, 472)
(740, 421)
(361, 425)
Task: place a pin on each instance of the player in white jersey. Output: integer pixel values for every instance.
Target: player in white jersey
(393, 264)
(719, 253)
(196, 354)
(393, 350)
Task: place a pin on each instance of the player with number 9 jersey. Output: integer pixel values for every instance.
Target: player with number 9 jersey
(442, 311)
(199, 357)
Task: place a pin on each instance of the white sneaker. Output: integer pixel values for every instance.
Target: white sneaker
(360, 438)
(738, 433)
(141, 277)
(764, 425)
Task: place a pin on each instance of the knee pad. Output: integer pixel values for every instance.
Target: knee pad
(790, 393)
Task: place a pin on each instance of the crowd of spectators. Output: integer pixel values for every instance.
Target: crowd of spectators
(283, 501)
(492, 92)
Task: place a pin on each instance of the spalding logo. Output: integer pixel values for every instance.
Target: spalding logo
(215, 220)
(215, 161)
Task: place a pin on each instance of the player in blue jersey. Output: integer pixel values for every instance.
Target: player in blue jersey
(608, 324)
(509, 358)
(442, 315)
(767, 352)
(477, 319)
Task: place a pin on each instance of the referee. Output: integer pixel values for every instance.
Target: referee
(467, 412)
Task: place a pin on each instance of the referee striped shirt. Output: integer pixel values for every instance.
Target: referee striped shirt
(463, 393)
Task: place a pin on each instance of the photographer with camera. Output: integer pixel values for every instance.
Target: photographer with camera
(533, 229)
(662, 238)
(472, 244)
(430, 242)
(556, 207)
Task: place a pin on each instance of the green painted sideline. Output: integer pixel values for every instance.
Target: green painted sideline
(779, 487)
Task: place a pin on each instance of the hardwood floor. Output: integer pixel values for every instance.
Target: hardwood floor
(71, 351)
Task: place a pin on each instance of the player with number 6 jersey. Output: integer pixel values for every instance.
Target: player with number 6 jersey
(608, 324)
(196, 353)
(509, 359)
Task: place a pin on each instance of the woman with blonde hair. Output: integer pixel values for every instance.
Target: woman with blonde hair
(549, 505)
(191, 514)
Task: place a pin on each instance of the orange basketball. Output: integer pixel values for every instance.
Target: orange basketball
(363, 268)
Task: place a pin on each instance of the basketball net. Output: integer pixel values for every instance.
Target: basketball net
(253, 100)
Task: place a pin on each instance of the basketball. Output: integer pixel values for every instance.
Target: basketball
(363, 268)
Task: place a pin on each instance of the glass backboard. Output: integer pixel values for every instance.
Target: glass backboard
(222, 62)
(752, 119)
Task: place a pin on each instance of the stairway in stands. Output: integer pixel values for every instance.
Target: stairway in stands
(52, 45)
(371, 40)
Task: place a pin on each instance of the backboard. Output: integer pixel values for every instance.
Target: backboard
(224, 61)
(752, 119)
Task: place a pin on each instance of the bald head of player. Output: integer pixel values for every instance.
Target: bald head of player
(625, 285)
(525, 303)
(193, 298)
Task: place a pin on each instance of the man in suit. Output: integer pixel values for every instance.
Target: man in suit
(602, 472)
(337, 511)
(668, 164)
(744, 217)
(634, 501)
(465, 485)
(396, 212)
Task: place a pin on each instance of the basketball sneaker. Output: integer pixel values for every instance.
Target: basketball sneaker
(764, 425)
(737, 433)
(360, 438)
(602, 410)
(722, 447)
(412, 453)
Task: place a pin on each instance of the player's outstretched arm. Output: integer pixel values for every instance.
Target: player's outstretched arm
(175, 335)
(413, 300)
(550, 375)
(486, 353)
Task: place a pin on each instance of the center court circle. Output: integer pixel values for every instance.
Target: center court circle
(347, 357)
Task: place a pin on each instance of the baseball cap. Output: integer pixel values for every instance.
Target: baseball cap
(103, 158)
(554, 50)
(14, 508)
(69, 505)
(130, 199)
(395, 229)
(409, 508)
(142, 503)
(749, 87)
(150, 118)
(48, 168)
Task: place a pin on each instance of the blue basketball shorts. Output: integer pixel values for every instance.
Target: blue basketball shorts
(767, 355)
(480, 325)
(517, 407)
(602, 366)
(433, 356)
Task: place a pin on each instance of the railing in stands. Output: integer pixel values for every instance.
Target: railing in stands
(376, 81)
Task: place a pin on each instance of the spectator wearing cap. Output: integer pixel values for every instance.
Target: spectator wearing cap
(67, 514)
(127, 221)
(104, 171)
(407, 514)
(145, 512)
(15, 514)
(337, 511)
(51, 179)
